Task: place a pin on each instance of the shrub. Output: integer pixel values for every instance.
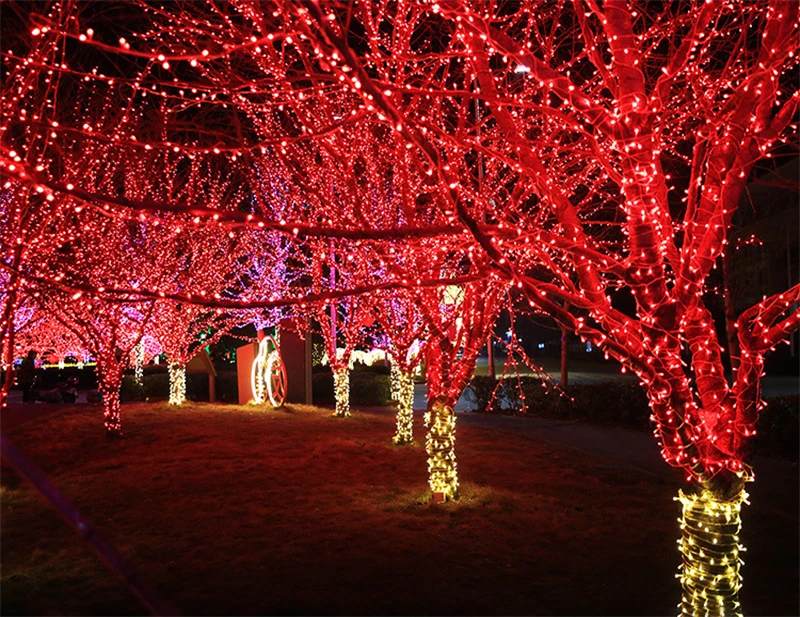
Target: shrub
(155, 369)
(131, 390)
(610, 402)
(376, 369)
(156, 386)
(48, 378)
(545, 400)
(50, 396)
(493, 396)
(523, 395)
(625, 404)
(368, 387)
(482, 388)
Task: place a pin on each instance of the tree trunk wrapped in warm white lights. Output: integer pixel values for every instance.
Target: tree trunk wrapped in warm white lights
(177, 383)
(465, 316)
(138, 363)
(441, 447)
(405, 407)
(394, 379)
(341, 391)
(709, 543)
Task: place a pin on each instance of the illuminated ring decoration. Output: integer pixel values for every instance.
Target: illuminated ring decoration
(275, 376)
(256, 382)
(268, 375)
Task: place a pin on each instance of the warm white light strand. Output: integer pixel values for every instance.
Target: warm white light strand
(440, 445)
(405, 407)
(710, 547)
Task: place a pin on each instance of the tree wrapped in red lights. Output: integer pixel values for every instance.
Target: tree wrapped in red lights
(594, 152)
(459, 319)
(50, 338)
(109, 331)
(633, 128)
(199, 262)
(342, 322)
(178, 328)
(399, 316)
(106, 254)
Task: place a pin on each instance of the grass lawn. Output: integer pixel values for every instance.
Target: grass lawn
(228, 510)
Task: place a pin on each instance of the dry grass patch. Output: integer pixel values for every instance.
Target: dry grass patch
(229, 509)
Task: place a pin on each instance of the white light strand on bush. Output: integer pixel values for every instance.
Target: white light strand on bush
(367, 358)
(405, 407)
(341, 392)
(710, 547)
(177, 383)
(440, 444)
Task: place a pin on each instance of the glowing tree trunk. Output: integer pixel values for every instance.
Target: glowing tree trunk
(710, 548)
(341, 391)
(440, 420)
(7, 363)
(447, 376)
(405, 406)
(399, 315)
(138, 353)
(109, 381)
(177, 383)
(394, 376)
(8, 302)
(440, 444)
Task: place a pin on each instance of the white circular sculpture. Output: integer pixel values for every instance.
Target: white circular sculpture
(268, 375)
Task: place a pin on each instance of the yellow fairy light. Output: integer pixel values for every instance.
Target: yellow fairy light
(405, 407)
(138, 353)
(440, 445)
(177, 383)
(341, 391)
(710, 547)
(394, 377)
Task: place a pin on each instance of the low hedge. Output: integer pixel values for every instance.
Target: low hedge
(624, 404)
(155, 387)
(368, 388)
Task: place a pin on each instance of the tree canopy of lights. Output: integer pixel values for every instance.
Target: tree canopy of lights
(541, 156)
